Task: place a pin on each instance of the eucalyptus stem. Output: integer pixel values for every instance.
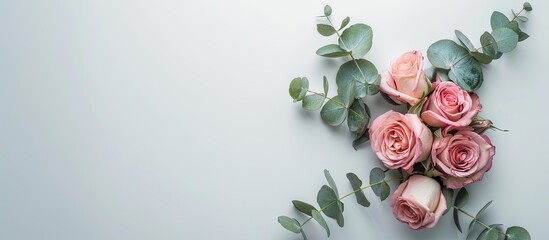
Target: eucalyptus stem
(349, 194)
(518, 14)
(476, 219)
(338, 103)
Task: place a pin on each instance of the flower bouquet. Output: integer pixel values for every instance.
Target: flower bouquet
(436, 148)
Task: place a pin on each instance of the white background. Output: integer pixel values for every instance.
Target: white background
(172, 119)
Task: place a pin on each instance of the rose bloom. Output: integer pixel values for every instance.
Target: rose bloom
(462, 158)
(405, 81)
(418, 202)
(449, 105)
(400, 140)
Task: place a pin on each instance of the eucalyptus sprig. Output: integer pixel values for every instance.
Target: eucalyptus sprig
(330, 203)
(462, 63)
(490, 232)
(355, 78)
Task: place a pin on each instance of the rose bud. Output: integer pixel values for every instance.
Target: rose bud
(405, 81)
(462, 158)
(449, 105)
(400, 140)
(480, 125)
(418, 202)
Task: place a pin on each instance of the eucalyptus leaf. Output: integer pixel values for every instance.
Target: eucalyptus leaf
(489, 234)
(445, 53)
(498, 20)
(312, 102)
(358, 118)
(522, 18)
(449, 196)
(298, 88)
(527, 6)
(382, 189)
(456, 220)
(303, 207)
(517, 233)
(357, 39)
(362, 72)
(344, 23)
(481, 57)
(320, 220)
(506, 39)
(290, 224)
(467, 73)
(479, 213)
(331, 182)
(327, 10)
(356, 183)
(464, 40)
(373, 87)
(360, 139)
(325, 30)
(325, 85)
(327, 200)
(513, 25)
(462, 198)
(332, 51)
(489, 44)
(523, 36)
(334, 111)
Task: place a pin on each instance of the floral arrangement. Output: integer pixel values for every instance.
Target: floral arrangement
(435, 149)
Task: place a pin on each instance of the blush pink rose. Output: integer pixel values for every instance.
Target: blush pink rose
(418, 202)
(462, 158)
(400, 140)
(449, 105)
(405, 81)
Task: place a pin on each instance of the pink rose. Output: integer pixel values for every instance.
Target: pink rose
(418, 202)
(449, 105)
(405, 81)
(400, 140)
(462, 158)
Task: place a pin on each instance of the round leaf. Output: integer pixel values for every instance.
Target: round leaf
(489, 234)
(464, 40)
(312, 102)
(331, 50)
(298, 88)
(517, 233)
(358, 118)
(357, 39)
(334, 111)
(445, 53)
(489, 45)
(362, 72)
(290, 224)
(327, 200)
(467, 73)
(498, 20)
(344, 22)
(325, 30)
(462, 198)
(527, 6)
(481, 57)
(506, 39)
(327, 10)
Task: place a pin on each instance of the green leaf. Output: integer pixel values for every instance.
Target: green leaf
(325, 30)
(357, 39)
(449, 196)
(498, 20)
(523, 36)
(479, 213)
(517, 233)
(506, 39)
(356, 183)
(481, 57)
(352, 71)
(320, 220)
(298, 88)
(456, 220)
(325, 85)
(467, 73)
(461, 198)
(334, 111)
(312, 102)
(332, 51)
(303, 207)
(358, 116)
(489, 234)
(382, 189)
(522, 18)
(464, 40)
(344, 22)
(331, 182)
(327, 10)
(360, 139)
(445, 53)
(527, 6)
(291, 224)
(416, 109)
(489, 44)
(373, 87)
(327, 200)
(513, 25)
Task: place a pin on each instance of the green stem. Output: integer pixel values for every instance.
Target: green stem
(338, 103)
(349, 194)
(518, 14)
(476, 219)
